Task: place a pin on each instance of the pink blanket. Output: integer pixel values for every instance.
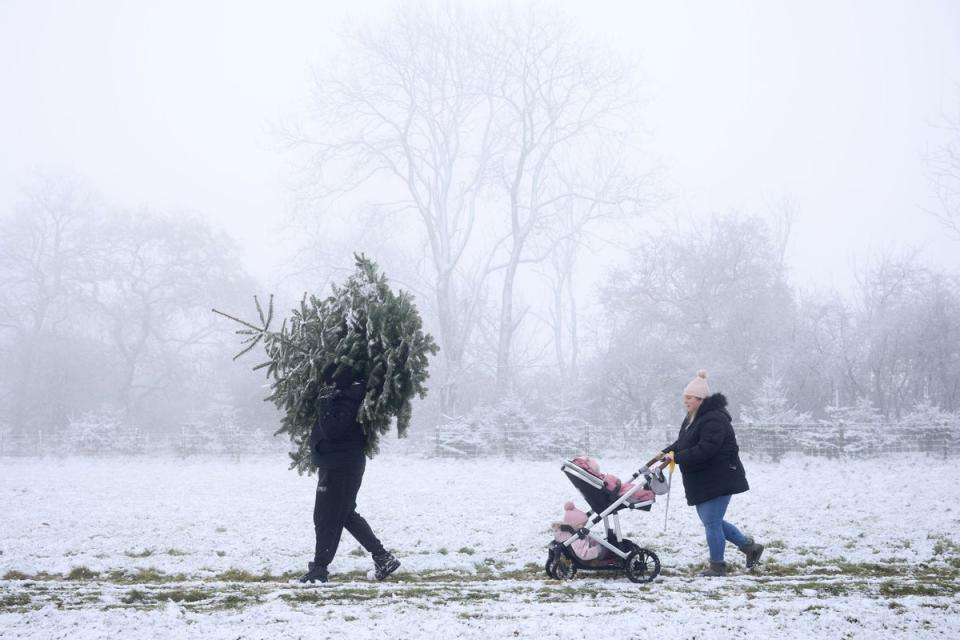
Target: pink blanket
(611, 482)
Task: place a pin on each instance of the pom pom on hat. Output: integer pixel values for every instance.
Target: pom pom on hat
(698, 387)
(573, 516)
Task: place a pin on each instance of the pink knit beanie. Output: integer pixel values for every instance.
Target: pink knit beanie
(573, 516)
(698, 387)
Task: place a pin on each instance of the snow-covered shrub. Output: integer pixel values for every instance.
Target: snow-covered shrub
(563, 434)
(770, 423)
(217, 429)
(929, 429)
(213, 429)
(460, 437)
(858, 430)
(102, 431)
(509, 429)
(771, 406)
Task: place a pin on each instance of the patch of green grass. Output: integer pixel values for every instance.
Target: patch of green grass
(184, 595)
(442, 551)
(467, 551)
(82, 573)
(330, 593)
(147, 575)
(239, 575)
(175, 552)
(530, 571)
(146, 553)
(14, 600)
(871, 569)
(234, 601)
(15, 575)
(901, 588)
(141, 576)
(357, 552)
(946, 546)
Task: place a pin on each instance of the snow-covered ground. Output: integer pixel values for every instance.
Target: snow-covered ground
(94, 548)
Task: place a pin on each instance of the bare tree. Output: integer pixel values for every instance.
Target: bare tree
(47, 251)
(46, 254)
(491, 128)
(713, 296)
(561, 115)
(905, 348)
(157, 279)
(945, 175)
(413, 115)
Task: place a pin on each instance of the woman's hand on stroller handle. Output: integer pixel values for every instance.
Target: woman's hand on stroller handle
(659, 457)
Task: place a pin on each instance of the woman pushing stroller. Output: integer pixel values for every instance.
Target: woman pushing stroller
(708, 455)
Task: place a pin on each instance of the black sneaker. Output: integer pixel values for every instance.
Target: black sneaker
(385, 564)
(314, 573)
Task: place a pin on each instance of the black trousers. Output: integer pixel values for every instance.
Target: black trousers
(335, 508)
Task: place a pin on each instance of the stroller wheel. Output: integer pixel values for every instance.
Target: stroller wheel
(642, 565)
(552, 555)
(563, 567)
(551, 562)
(558, 565)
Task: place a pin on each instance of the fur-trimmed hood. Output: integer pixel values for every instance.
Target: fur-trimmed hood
(715, 402)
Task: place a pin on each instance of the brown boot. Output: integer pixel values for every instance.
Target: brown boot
(716, 570)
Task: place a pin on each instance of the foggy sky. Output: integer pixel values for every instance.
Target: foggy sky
(829, 106)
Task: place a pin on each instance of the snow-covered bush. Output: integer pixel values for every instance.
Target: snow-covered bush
(859, 429)
(770, 423)
(510, 430)
(102, 431)
(929, 429)
(218, 429)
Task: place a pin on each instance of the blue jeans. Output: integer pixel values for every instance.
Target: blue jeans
(717, 529)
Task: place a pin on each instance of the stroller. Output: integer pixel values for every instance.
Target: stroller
(607, 496)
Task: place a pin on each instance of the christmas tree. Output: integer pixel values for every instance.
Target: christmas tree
(362, 331)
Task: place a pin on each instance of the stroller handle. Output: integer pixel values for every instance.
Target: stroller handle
(660, 463)
(654, 466)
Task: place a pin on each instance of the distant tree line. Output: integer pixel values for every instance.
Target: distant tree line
(502, 150)
(720, 297)
(104, 316)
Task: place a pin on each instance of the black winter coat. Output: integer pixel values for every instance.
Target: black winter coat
(337, 430)
(708, 454)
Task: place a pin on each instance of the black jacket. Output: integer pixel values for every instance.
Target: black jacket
(337, 430)
(708, 454)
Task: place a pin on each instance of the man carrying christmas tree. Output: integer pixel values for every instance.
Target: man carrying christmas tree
(337, 444)
(344, 369)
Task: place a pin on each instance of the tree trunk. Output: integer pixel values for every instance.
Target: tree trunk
(504, 374)
(451, 347)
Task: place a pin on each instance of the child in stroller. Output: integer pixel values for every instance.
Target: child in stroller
(576, 546)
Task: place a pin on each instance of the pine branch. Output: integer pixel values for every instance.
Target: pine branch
(258, 333)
